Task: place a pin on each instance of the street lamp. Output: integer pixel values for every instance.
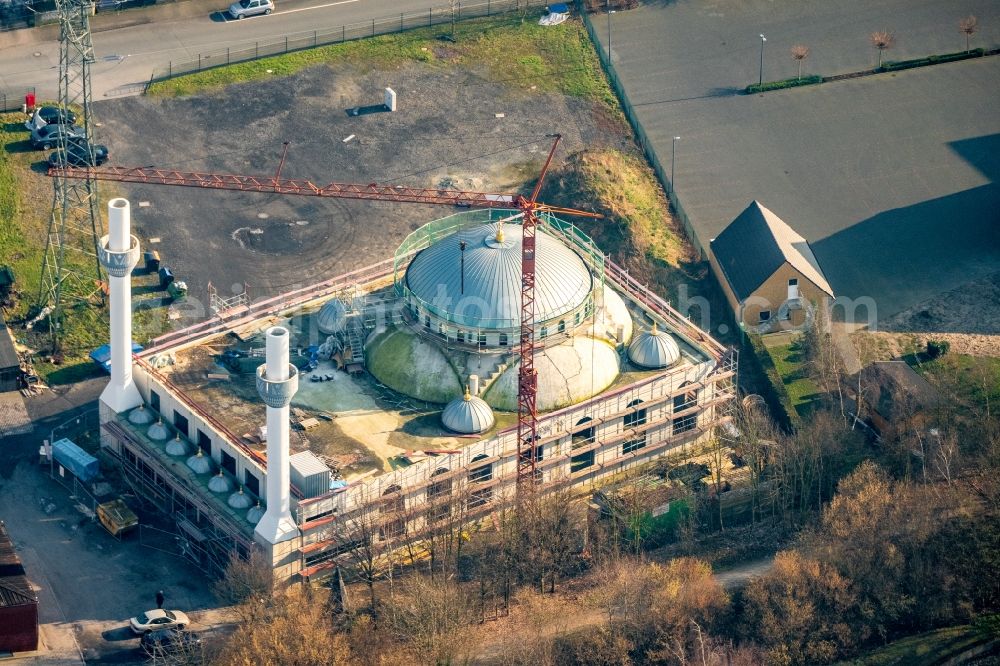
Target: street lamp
(607, 4)
(763, 39)
(673, 152)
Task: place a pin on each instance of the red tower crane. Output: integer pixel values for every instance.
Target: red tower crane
(527, 380)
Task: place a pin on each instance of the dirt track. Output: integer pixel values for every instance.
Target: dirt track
(444, 133)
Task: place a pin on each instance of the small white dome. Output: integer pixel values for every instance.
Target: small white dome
(654, 349)
(200, 463)
(467, 415)
(140, 416)
(177, 446)
(255, 514)
(331, 317)
(220, 483)
(240, 500)
(158, 432)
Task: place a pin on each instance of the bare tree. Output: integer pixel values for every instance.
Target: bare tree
(247, 585)
(969, 25)
(883, 40)
(799, 53)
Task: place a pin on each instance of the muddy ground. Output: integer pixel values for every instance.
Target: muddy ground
(445, 132)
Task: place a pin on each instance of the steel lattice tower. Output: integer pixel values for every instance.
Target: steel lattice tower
(75, 223)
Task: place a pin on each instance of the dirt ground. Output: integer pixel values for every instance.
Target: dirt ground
(968, 318)
(445, 133)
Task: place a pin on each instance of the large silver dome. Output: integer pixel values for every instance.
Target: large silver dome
(654, 349)
(491, 295)
(467, 415)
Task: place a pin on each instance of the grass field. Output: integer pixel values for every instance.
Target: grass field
(789, 361)
(25, 205)
(973, 380)
(504, 48)
(932, 647)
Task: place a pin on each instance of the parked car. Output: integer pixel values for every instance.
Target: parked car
(152, 620)
(78, 154)
(50, 115)
(250, 8)
(47, 137)
(169, 641)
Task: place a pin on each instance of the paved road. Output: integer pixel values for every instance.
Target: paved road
(129, 55)
(892, 178)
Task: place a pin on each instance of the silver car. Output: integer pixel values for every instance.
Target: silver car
(250, 8)
(158, 619)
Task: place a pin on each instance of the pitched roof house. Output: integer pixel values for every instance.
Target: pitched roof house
(766, 270)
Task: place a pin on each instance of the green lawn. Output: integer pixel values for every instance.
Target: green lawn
(789, 361)
(973, 380)
(932, 647)
(505, 48)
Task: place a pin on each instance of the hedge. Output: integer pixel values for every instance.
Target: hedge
(786, 83)
(931, 60)
(773, 390)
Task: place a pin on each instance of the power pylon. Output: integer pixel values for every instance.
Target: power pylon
(75, 223)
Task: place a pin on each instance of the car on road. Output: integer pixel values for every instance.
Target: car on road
(47, 137)
(50, 115)
(78, 154)
(158, 618)
(164, 642)
(244, 8)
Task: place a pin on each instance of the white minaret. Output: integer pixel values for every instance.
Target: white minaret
(119, 253)
(277, 382)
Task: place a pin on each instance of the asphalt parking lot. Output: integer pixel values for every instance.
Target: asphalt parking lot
(89, 583)
(892, 178)
(445, 132)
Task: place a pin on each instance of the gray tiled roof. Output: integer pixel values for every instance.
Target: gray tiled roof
(756, 244)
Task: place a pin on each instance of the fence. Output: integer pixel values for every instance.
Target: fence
(11, 100)
(640, 134)
(338, 35)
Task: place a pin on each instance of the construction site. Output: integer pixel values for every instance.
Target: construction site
(491, 352)
(197, 442)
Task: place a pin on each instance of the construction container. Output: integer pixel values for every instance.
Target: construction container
(309, 474)
(116, 517)
(71, 457)
(166, 277)
(152, 260)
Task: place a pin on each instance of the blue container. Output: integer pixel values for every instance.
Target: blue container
(102, 355)
(83, 465)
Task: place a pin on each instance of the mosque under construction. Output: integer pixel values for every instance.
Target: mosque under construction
(388, 392)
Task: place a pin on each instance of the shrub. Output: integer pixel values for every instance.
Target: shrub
(775, 393)
(937, 348)
(785, 83)
(931, 60)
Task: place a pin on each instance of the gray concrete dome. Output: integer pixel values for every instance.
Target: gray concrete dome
(177, 446)
(239, 500)
(654, 349)
(255, 513)
(331, 317)
(491, 297)
(467, 415)
(158, 432)
(140, 416)
(220, 483)
(200, 463)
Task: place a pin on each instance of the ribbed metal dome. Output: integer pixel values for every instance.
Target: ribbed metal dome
(654, 349)
(467, 415)
(177, 446)
(239, 500)
(200, 463)
(140, 416)
(220, 483)
(255, 514)
(491, 297)
(331, 317)
(158, 432)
